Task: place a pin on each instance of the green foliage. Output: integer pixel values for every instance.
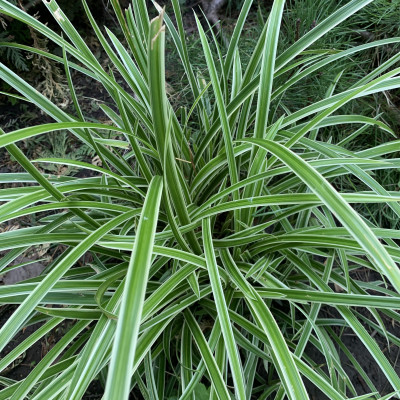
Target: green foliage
(381, 17)
(60, 145)
(199, 260)
(10, 32)
(13, 56)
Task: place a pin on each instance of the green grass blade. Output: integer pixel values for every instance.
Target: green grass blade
(125, 342)
(14, 323)
(221, 108)
(285, 365)
(334, 201)
(322, 28)
(226, 328)
(217, 380)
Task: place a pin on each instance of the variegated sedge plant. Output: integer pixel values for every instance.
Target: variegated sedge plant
(187, 286)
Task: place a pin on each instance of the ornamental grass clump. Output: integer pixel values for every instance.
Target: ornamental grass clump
(216, 240)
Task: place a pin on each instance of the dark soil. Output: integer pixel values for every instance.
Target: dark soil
(27, 361)
(24, 365)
